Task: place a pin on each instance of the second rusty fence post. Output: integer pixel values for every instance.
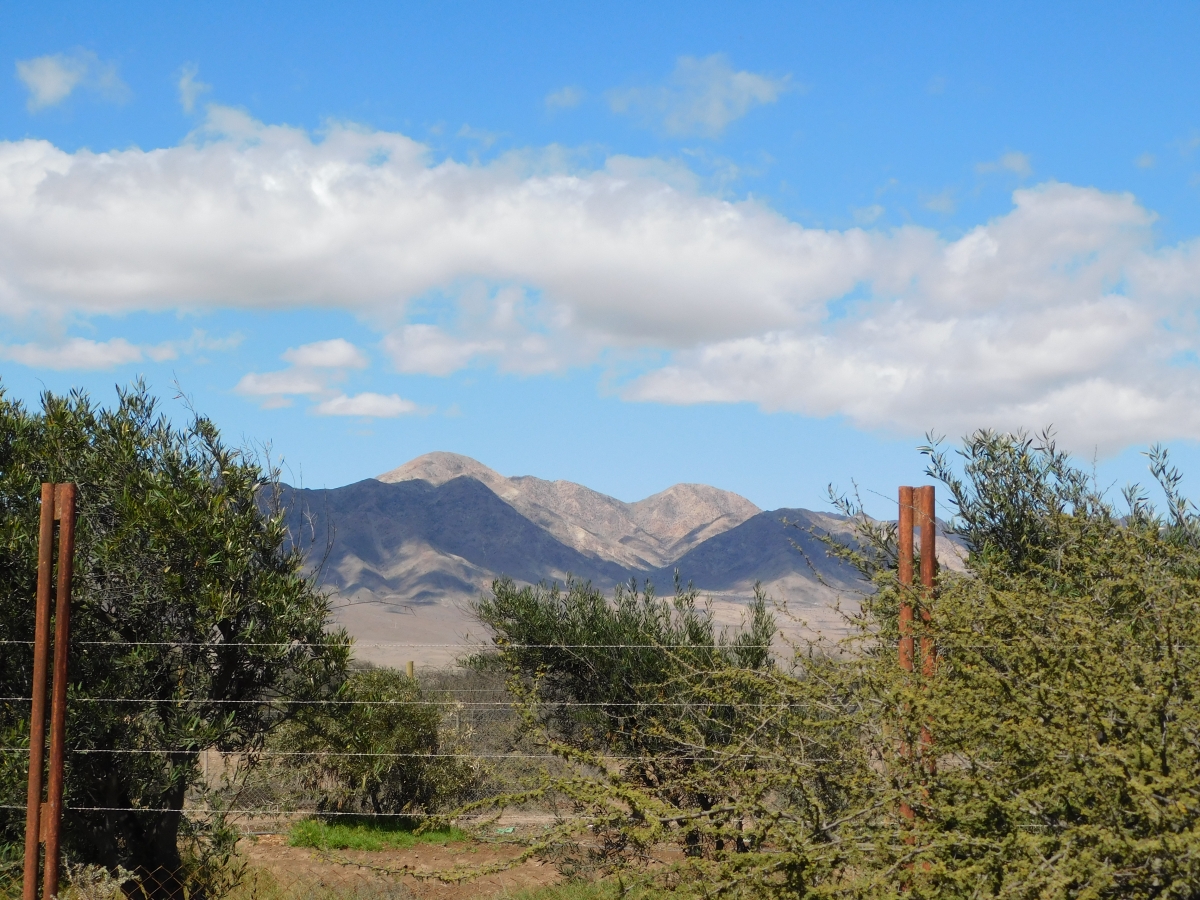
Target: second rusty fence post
(43, 820)
(37, 717)
(64, 507)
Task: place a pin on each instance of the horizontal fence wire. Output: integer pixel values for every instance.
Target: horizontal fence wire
(255, 816)
(401, 645)
(451, 704)
(321, 754)
(334, 753)
(273, 811)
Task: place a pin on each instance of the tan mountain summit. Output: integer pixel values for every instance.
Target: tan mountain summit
(650, 533)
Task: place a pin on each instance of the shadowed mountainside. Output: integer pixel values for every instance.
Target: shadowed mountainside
(643, 535)
(406, 556)
(415, 542)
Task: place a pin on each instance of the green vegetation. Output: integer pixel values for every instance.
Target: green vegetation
(602, 670)
(1054, 752)
(376, 747)
(368, 834)
(186, 595)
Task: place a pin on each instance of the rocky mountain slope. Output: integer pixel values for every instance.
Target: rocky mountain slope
(407, 553)
(643, 535)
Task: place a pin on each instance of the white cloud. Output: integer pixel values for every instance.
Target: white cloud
(702, 96)
(564, 98)
(1061, 311)
(315, 368)
(84, 353)
(283, 382)
(379, 406)
(1145, 161)
(337, 353)
(428, 350)
(51, 79)
(74, 353)
(190, 88)
(1013, 161)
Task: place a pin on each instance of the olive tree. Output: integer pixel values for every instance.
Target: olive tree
(193, 623)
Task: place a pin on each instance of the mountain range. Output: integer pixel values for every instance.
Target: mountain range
(407, 552)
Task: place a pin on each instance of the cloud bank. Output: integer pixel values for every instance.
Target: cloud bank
(1062, 311)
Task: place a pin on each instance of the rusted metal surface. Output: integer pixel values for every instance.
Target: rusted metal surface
(906, 577)
(65, 507)
(37, 716)
(905, 566)
(927, 522)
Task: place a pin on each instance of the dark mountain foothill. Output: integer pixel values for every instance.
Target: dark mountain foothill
(406, 554)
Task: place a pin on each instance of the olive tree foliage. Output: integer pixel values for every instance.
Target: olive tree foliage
(190, 619)
(1054, 752)
(377, 746)
(629, 678)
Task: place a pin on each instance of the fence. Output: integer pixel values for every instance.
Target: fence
(290, 842)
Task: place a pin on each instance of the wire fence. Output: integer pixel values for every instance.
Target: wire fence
(293, 840)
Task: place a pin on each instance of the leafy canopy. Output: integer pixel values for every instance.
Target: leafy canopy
(185, 601)
(1054, 752)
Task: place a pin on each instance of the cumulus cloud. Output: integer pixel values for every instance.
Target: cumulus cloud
(702, 96)
(190, 88)
(1063, 310)
(315, 368)
(379, 406)
(337, 353)
(1013, 161)
(51, 79)
(281, 383)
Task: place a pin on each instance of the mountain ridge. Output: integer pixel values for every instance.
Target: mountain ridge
(648, 533)
(405, 555)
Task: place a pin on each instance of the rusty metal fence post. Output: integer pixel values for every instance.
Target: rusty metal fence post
(917, 507)
(927, 522)
(905, 573)
(42, 820)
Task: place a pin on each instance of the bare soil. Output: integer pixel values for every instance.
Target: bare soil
(414, 870)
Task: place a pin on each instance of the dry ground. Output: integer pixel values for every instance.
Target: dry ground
(303, 871)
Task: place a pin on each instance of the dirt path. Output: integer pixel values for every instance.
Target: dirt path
(302, 871)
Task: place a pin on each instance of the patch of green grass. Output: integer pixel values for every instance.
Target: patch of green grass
(368, 834)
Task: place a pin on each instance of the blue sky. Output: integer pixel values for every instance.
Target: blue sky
(764, 247)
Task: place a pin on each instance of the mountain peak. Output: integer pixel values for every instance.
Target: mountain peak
(646, 534)
(439, 467)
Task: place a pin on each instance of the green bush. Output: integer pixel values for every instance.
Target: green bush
(1054, 752)
(376, 747)
(187, 600)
